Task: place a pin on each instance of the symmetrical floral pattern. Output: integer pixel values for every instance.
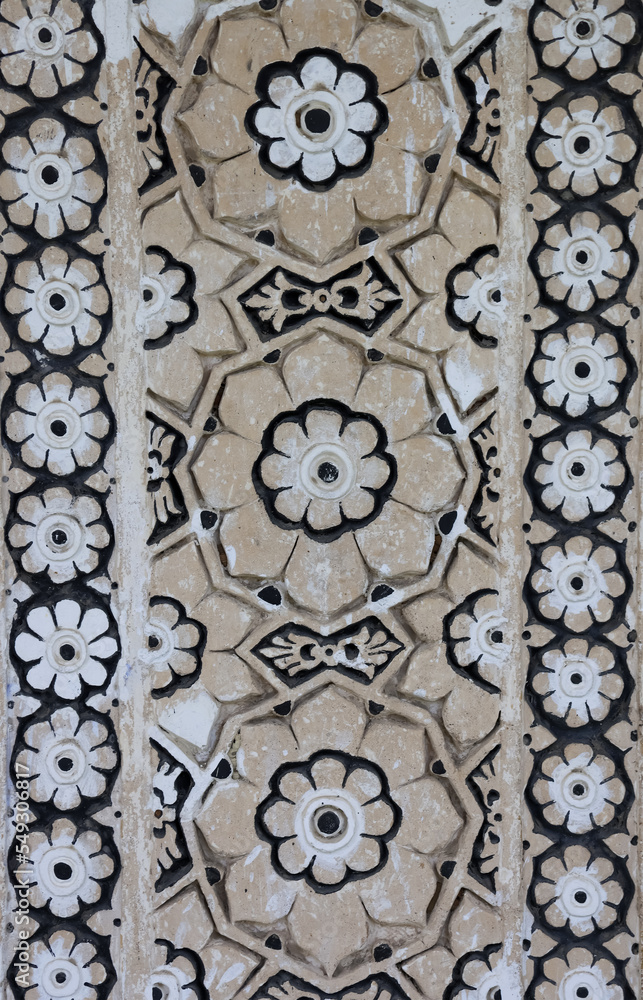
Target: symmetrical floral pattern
(174, 645)
(58, 430)
(60, 534)
(68, 868)
(325, 469)
(329, 821)
(324, 480)
(327, 814)
(52, 180)
(312, 306)
(58, 426)
(583, 260)
(66, 644)
(68, 759)
(577, 683)
(44, 48)
(579, 475)
(579, 891)
(62, 961)
(344, 108)
(58, 302)
(318, 119)
(585, 152)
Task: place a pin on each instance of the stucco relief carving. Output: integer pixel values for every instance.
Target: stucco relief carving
(58, 431)
(324, 417)
(328, 233)
(579, 828)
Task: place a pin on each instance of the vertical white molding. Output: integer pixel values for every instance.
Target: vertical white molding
(131, 528)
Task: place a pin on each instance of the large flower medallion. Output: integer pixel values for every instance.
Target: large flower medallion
(317, 118)
(300, 122)
(331, 826)
(324, 468)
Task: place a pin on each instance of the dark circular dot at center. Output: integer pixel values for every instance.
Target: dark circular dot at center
(576, 678)
(496, 295)
(578, 789)
(153, 642)
(67, 652)
(577, 469)
(576, 582)
(45, 36)
(580, 896)
(582, 992)
(49, 174)
(63, 871)
(582, 369)
(581, 144)
(148, 294)
(57, 301)
(65, 764)
(583, 29)
(58, 427)
(61, 977)
(157, 993)
(328, 823)
(496, 635)
(582, 256)
(328, 472)
(58, 536)
(317, 120)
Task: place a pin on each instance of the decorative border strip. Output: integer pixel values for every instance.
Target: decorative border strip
(584, 151)
(58, 429)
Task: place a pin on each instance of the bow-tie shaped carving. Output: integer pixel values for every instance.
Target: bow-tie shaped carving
(362, 650)
(363, 297)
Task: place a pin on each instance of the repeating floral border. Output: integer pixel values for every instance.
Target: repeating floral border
(58, 427)
(582, 543)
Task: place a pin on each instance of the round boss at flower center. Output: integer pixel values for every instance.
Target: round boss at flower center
(329, 820)
(61, 978)
(67, 650)
(578, 584)
(60, 536)
(44, 37)
(577, 678)
(583, 29)
(317, 123)
(582, 370)
(316, 120)
(62, 870)
(66, 763)
(582, 985)
(581, 470)
(159, 641)
(50, 176)
(327, 471)
(153, 295)
(58, 425)
(580, 895)
(578, 789)
(58, 302)
(582, 257)
(583, 145)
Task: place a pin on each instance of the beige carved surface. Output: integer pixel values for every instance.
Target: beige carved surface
(320, 335)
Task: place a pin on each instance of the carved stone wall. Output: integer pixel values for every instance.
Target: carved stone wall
(320, 350)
